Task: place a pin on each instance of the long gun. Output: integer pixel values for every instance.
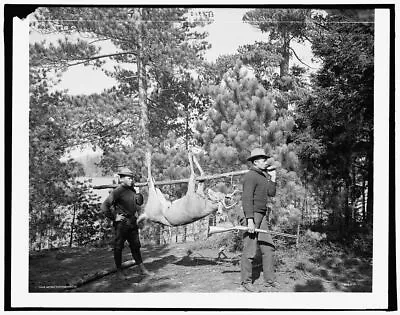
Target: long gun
(221, 229)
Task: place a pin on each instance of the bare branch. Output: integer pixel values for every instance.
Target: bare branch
(98, 40)
(84, 60)
(294, 52)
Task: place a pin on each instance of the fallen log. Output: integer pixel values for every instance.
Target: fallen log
(99, 274)
(179, 181)
(221, 229)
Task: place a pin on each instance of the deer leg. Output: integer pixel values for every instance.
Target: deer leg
(200, 186)
(192, 182)
(150, 183)
(149, 178)
(141, 218)
(198, 166)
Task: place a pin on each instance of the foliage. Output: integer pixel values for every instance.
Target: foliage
(166, 42)
(85, 222)
(241, 118)
(48, 139)
(282, 26)
(339, 113)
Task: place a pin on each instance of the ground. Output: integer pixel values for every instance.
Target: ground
(195, 267)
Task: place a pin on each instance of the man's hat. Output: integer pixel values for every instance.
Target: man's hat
(257, 153)
(125, 172)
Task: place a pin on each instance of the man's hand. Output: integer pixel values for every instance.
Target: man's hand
(250, 225)
(119, 217)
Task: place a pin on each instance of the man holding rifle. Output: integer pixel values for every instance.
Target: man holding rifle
(259, 184)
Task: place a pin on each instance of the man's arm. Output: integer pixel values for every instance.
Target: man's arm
(249, 186)
(106, 206)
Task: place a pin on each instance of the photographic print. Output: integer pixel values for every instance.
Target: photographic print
(226, 150)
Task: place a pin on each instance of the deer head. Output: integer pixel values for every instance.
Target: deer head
(219, 199)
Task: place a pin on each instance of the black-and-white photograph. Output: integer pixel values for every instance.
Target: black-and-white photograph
(202, 149)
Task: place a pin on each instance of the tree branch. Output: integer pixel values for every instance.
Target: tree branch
(180, 181)
(297, 57)
(98, 40)
(99, 57)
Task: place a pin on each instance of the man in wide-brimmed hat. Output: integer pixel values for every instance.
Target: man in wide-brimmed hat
(121, 207)
(259, 184)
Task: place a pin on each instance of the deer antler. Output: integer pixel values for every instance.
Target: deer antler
(226, 206)
(229, 196)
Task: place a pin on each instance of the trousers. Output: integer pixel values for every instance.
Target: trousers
(252, 244)
(126, 232)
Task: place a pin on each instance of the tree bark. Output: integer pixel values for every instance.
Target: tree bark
(99, 274)
(184, 234)
(284, 64)
(346, 205)
(364, 219)
(370, 191)
(71, 237)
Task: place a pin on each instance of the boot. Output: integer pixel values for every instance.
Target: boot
(249, 287)
(143, 270)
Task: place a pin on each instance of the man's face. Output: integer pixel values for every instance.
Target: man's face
(127, 180)
(261, 163)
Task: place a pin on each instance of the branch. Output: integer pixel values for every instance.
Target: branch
(180, 181)
(300, 59)
(322, 25)
(98, 40)
(99, 274)
(102, 56)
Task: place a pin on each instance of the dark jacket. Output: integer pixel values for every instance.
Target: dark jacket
(125, 201)
(257, 187)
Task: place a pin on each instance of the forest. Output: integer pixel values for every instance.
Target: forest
(316, 125)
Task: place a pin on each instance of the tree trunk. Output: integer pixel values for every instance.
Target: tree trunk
(157, 234)
(162, 239)
(354, 197)
(184, 234)
(284, 64)
(370, 191)
(142, 94)
(363, 203)
(99, 274)
(346, 205)
(144, 121)
(71, 237)
(187, 126)
(304, 208)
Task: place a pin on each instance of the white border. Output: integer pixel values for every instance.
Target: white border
(19, 255)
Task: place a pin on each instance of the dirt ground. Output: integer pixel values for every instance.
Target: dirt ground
(195, 267)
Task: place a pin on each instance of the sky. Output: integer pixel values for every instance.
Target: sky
(226, 34)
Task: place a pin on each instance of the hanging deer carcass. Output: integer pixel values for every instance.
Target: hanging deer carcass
(193, 206)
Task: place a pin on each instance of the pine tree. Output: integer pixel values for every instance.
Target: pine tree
(341, 111)
(282, 26)
(156, 42)
(243, 117)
